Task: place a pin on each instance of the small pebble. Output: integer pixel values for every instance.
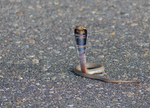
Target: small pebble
(35, 61)
(41, 52)
(134, 24)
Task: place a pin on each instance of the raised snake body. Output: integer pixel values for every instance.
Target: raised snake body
(88, 69)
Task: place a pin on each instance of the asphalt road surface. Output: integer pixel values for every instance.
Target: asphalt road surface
(38, 55)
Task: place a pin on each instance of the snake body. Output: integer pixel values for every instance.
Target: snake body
(89, 69)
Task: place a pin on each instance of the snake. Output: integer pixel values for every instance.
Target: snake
(89, 70)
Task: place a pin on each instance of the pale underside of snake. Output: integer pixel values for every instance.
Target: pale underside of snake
(89, 70)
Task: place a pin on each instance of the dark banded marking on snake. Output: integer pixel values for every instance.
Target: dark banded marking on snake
(88, 69)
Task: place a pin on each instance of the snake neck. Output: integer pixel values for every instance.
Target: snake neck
(81, 37)
(83, 63)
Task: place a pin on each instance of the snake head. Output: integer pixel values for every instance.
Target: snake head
(78, 27)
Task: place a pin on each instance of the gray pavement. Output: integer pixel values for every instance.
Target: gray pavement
(37, 53)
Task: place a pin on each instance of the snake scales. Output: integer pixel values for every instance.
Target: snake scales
(89, 69)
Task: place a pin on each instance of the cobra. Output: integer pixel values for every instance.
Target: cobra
(89, 70)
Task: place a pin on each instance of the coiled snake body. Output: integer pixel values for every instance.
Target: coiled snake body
(89, 69)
